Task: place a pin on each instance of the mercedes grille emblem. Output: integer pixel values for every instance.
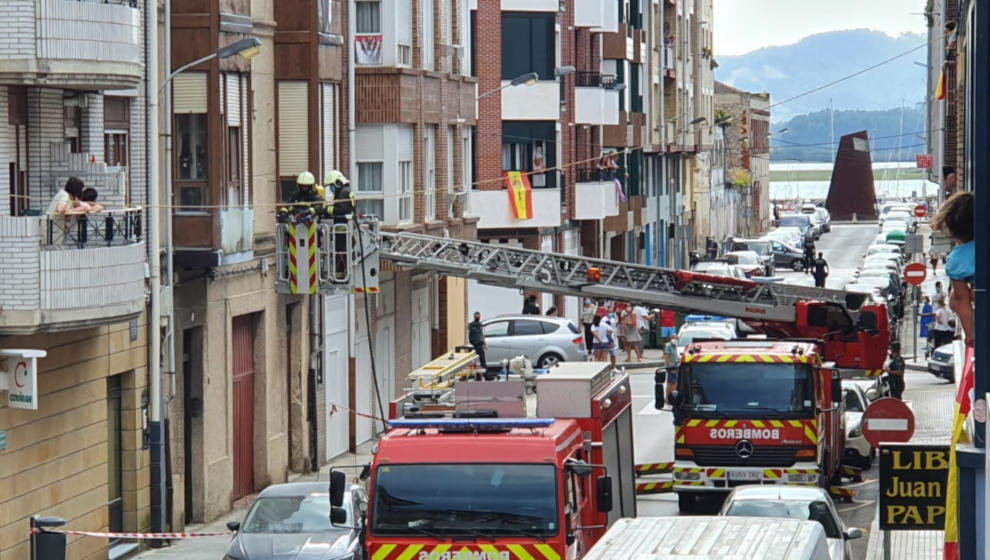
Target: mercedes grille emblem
(744, 449)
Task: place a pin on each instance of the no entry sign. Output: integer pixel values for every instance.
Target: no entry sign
(920, 211)
(915, 274)
(888, 420)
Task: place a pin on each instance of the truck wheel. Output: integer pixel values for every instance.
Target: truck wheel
(797, 265)
(687, 502)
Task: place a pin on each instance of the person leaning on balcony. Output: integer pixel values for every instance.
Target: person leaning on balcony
(603, 168)
(88, 201)
(67, 203)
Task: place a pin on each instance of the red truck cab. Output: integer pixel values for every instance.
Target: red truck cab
(755, 411)
(485, 471)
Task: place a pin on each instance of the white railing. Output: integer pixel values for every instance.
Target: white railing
(89, 30)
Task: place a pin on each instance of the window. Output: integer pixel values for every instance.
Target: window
(498, 328)
(190, 133)
(369, 16)
(234, 160)
(530, 146)
(369, 193)
(431, 172)
(325, 8)
(405, 191)
(528, 45)
(115, 148)
(450, 161)
(527, 328)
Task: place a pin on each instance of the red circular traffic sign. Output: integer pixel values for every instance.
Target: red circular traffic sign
(915, 274)
(920, 211)
(888, 420)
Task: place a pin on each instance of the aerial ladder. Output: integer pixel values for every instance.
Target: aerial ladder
(855, 329)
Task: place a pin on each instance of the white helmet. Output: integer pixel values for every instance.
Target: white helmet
(335, 176)
(306, 178)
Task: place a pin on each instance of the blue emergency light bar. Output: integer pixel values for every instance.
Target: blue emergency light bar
(701, 318)
(481, 424)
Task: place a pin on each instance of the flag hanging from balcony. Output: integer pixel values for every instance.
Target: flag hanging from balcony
(520, 194)
(940, 88)
(963, 404)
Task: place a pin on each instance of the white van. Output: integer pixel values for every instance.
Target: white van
(715, 538)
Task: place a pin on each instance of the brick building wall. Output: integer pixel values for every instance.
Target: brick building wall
(17, 21)
(488, 70)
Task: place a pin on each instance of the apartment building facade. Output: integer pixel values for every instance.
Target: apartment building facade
(414, 117)
(747, 140)
(551, 130)
(680, 123)
(72, 443)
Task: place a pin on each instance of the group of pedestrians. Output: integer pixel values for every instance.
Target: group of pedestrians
(610, 326)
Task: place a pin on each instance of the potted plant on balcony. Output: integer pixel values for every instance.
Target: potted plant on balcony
(740, 178)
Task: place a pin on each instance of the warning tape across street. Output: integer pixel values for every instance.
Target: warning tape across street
(163, 536)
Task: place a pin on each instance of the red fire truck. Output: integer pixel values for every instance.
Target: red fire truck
(484, 471)
(755, 411)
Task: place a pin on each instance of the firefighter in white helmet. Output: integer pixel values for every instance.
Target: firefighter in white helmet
(342, 210)
(305, 189)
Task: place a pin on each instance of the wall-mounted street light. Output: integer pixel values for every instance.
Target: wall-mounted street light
(562, 71)
(247, 48)
(528, 79)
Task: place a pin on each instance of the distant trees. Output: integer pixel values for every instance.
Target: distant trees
(809, 138)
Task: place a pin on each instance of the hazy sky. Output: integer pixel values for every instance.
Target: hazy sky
(742, 26)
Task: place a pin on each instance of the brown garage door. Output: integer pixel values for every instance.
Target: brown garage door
(243, 342)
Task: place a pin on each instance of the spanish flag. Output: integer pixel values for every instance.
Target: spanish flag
(940, 88)
(963, 404)
(520, 194)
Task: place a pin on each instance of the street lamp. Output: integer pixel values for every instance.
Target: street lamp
(562, 71)
(247, 48)
(528, 79)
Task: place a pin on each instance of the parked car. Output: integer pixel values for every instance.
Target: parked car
(718, 267)
(898, 215)
(826, 218)
(858, 451)
(794, 502)
(759, 246)
(942, 363)
(749, 261)
(544, 340)
(886, 260)
(701, 330)
(890, 275)
(895, 225)
(791, 236)
(785, 255)
(294, 520)
(802, 222)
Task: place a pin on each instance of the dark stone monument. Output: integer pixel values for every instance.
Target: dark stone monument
(852, 190)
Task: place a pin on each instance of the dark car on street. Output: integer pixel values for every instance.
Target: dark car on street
(786, 256)
(942, 363)
(760, 246)
(292, 520)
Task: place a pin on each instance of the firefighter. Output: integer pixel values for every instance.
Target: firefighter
(305, 196)
(341, 209)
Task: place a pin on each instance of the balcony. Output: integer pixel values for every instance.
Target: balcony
(538, 102)
(68, 43)
(596, 99)
(619, 45)
(89, 273)
(668, 62)
(599, 16)
(494, 212)
(595, 197)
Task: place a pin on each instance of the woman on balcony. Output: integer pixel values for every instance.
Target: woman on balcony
(67, 203)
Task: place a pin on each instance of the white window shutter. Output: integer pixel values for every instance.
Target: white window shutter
(293, 128)
(189, 93)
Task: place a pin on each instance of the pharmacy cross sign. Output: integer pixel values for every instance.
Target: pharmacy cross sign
(888, 420)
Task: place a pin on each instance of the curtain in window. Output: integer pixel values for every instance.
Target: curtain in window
(369, 16)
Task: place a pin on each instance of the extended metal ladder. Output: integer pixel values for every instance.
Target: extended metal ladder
(526, 269)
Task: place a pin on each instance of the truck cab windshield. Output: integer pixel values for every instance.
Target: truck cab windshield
(465, 500)
(744, 389)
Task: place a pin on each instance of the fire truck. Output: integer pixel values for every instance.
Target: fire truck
(755, 411)
(486, 470)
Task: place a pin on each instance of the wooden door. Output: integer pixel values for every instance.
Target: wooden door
(243, 391)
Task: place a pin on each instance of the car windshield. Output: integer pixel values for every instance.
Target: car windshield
(740, 388)
(851, 400)
(290, 514)
(787, 509)
(459, 499)
(746, 258)
(716, 268)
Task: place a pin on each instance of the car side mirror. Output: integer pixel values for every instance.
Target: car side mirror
(659, 378)
(603, 491)
(852, 533)
(233, 525)
(338, 516)
(365, 473)
(338, 480)
(836, 389)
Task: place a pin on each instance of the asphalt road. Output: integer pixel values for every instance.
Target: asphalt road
(843, 248)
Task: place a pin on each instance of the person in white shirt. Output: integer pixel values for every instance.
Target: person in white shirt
(942, 331)
(643, 317)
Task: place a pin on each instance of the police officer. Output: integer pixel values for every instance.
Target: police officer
(895, 371)
(821, 270)
(809, 252)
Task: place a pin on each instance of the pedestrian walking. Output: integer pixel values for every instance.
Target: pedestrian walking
(476, 336)
(933, 257)
(895, 371)
(644, 317)
(809, 253)
(943, 330)
(530, 307)
(600, 332)
(821, 270)
(587, 321)
(673, 360)
(927, 318)
(630, 330)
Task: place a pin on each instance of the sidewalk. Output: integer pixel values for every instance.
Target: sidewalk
(932, 402)
(212, 548)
